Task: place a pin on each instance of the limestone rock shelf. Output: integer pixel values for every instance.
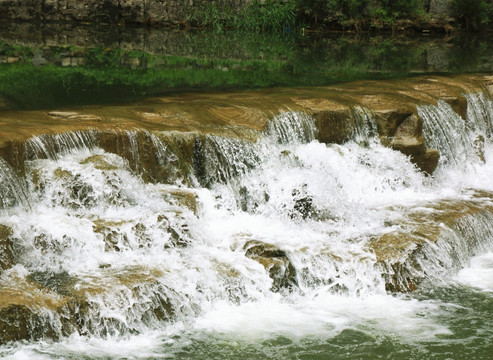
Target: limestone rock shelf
(245, 114)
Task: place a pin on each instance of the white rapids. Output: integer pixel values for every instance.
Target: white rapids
(162, 266)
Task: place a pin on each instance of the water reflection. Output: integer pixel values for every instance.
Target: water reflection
(52, 65)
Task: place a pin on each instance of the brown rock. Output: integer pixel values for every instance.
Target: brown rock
(389, 118)
(275, 261)
(6, 251)
(410, 146)
(335, 126)
(47, 305)
(427, 161)
(99, 163)
(180, 196)
(113, 239)
(20, 302)
(409, 140)
(70, 115)
(402, 254)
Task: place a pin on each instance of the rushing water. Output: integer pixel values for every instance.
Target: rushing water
(177, 270)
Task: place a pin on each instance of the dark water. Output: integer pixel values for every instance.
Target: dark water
(54, 65)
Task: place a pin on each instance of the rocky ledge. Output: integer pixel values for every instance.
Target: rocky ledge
(245, 114)
(164, 12)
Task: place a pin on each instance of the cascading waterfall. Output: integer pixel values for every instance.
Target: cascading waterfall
(13, 190)
(282, 237)
(460, 141)
(52, 146)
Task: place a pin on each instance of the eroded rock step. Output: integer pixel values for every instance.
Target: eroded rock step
(244, 114)
(428, 241)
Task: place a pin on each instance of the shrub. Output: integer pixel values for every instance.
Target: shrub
(472, 14)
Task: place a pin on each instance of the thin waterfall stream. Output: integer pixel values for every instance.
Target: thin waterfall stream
(278, 247)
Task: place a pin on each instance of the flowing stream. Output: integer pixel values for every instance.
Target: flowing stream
(282, 248)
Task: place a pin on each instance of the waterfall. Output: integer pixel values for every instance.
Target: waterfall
(366, 128)
(292, 127)
(52, 146)
(185, 240)
(459, 141)
(13, 189)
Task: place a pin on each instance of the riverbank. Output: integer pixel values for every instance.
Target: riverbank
(444, 16)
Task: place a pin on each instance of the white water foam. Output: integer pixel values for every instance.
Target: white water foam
(130, 249)
(479, 274)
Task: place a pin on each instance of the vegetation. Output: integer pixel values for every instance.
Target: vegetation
(271, 15)
(373, 13)
(473, 14)
(279, 15)
(283, 16)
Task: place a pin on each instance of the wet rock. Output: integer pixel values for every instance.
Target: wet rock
(114, 240)
(49, 305)
(59, 173)
(303, 203)
(6, 251)
(71, 115)
(158, 158)
(178, 232)
(275, 261)
(479, 147)
(57, 282)
(14, 322)
(430, 241)
(390, 115)
(136, 287)
(21, 311)
(411, 126)
(410, 146)
(408, 139)
(99, 162)
(335, 122)
(180, 196)
(334, 126)
(81, 193)
(427, 161)
(458, 104)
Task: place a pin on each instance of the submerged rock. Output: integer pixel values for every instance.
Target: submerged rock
(275, 261)
(74, 116)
